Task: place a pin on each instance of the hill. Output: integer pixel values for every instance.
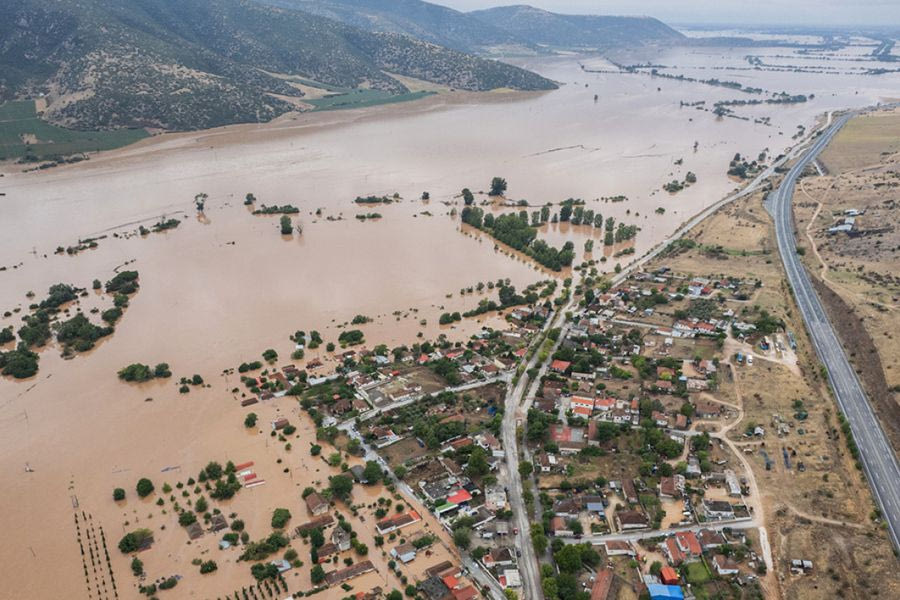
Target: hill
(193, 64)
(422, 20)
(578, 31)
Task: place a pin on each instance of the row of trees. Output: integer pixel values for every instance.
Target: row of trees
(513, 229)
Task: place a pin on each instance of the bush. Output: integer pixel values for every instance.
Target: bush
(118, 494)
(317, 575)
(168, 584)
(280, 518)
(187, 518)
(111, 315)
(208, 566)
(250, 420)
(136, 372)
(20, 363)
(131, 542)
(137, 566)
(124, 283)
(162, 370)
(144, 487)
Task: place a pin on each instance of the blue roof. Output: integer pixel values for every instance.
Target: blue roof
(664, 592)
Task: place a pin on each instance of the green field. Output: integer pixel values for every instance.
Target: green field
(362, 99)
(697, 573)
(19, 119)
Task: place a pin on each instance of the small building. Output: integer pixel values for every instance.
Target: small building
(282, 565)
(629, 492)
(465, 593)
(326, 551)
(619, 548)
(664, 592)
(316, 504)
(280, 423)
(434, 588)
(710, 539)
(717, 510)
(724, 565)
(510, 578)
(397, 522)
(316, 523)
(732, 484)
(341, 538)
(673, 553)
(631, 519)
(602, 585)
(688, 544)
(355, 570)
(218, 523)
(404, 552)
(498, 557)
(560, 366)
(194, 530)
(669, 576)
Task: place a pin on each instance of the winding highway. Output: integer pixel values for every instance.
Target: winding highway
(876, 454)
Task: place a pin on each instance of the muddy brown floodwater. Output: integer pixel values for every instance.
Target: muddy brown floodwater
(220, 289)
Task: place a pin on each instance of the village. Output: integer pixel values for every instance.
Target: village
(630, 458)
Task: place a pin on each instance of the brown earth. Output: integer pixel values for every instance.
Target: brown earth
(864, 355)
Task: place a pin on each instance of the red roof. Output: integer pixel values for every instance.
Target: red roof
(668, 575)
(459, 497)
(604, 403)
(688, 542)
(675, 553)
(582, 410)
(560, 365)
(602, 585)
(451, 582)
(467, 593)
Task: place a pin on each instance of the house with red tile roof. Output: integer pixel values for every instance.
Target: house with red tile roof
(673, 552)
(669, 576)
(393, 523)
(582, 411)
(560, 366)
(467, 593)
(602, 585)
(459, 497)
(688, 543)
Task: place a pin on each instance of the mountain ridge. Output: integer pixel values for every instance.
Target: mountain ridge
(194, 64)
(597, 32)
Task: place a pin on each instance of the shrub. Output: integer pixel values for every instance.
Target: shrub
(280, 518)
(137, 566)
(118, 494)
(187, 518)
(136, 372)
(208, 566)
(168, 583)
(131, 542)
(144, 487)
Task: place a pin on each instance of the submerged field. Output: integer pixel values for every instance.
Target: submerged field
(23, 133)
(224, 285)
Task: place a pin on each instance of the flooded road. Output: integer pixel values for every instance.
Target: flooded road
(221, 288)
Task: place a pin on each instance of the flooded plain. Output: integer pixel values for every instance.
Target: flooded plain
(224, 286)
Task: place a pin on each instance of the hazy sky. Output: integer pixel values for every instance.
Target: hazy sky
(812, 12)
